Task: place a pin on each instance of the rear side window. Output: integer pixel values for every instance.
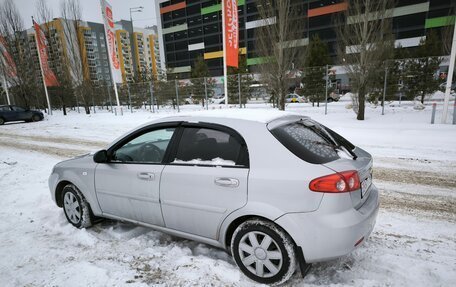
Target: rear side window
(205, 146)
(305, 143)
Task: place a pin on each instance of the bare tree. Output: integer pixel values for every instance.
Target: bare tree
(364, 37)
(22, 77)
(277, 49)
(75, 47)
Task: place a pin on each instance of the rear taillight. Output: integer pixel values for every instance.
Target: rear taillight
(345, 181)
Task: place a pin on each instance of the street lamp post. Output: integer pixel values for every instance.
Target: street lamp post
(135, 10)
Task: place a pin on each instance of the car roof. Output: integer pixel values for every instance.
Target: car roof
(253, 115)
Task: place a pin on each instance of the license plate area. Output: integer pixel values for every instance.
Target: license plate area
(365, 184)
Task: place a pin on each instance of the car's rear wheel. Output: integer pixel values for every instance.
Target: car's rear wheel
(263, 251)
(2, 121)
(35, 118)
(77, 209)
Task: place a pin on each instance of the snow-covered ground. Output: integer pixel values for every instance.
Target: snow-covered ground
(413, 243)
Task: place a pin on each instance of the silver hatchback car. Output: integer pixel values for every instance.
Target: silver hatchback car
(275, 189)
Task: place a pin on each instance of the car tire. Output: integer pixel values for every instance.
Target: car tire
(264, 252)
(76, 208)
(2, 121)
(36, 118)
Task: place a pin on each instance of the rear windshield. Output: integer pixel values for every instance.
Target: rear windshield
(306, 140)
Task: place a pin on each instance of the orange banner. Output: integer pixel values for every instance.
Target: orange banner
(49, 77)
(8, 62)
(231, 33)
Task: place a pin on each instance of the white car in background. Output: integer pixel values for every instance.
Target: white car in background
(277, 190)
(295, 98)
(218, 100)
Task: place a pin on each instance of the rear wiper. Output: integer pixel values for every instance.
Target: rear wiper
(318, 129)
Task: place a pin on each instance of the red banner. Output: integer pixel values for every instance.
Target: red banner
(231, 33)
(49, 76)
(111, 39)
(8, 62)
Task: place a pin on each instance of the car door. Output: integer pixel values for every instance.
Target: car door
(20, 114)
(128, 185)
(205, 180)
(7, 113)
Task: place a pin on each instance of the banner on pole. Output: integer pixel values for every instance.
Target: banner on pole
(231, 32)
(106, 10)
(49, 77)
(7, 61)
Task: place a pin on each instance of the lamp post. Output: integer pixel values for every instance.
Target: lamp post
(135, 10)
(132, 41)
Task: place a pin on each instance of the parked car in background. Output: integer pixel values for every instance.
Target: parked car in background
(190, 101)
(333, 97)
(230, 180)
(10, 113)
(442, 88)
(295, 98)
(218, 100)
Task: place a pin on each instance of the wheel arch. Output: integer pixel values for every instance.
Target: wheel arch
(238, 221)
(58, 191)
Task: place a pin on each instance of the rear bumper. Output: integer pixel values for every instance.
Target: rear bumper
(329, 233)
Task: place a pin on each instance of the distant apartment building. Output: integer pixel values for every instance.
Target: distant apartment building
(138, 52)
(192, 28)
(92, 51)
(95, 53)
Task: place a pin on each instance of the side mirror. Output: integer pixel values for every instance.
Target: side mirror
(100, 156)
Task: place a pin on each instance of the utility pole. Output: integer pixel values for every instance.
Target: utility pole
(5, 87)
(384, 90)
(225, 68)
(450, 76)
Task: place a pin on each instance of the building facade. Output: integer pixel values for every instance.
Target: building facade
(138, 52)
(192, 28)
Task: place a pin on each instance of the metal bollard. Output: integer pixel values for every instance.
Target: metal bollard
(454, 113)
(129, 98)
(434, 106)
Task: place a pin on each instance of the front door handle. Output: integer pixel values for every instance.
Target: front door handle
(146, 175)
(226, 182)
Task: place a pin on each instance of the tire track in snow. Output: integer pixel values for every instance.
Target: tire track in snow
(64, 140)
(54, 151)
(415, 177)
(437, 207)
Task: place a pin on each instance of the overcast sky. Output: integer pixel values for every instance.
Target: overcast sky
(91, 10)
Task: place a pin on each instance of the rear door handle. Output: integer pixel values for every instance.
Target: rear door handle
(146, 175)
(226, 182)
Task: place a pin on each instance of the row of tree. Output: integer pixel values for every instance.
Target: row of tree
(366, 49)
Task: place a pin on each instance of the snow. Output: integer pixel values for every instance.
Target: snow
(413, 242)
(214, 161)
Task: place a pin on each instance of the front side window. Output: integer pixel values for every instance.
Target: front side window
(18, 109)
(149, 147)
(205, 146)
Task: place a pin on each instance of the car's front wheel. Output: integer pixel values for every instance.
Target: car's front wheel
(2, 121)
(77, 209)
(36, 118)
(263, 251)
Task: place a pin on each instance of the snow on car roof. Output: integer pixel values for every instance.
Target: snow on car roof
(256, 115)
